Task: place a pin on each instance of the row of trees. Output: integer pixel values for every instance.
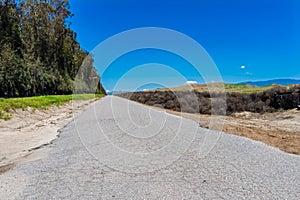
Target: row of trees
(39, 53)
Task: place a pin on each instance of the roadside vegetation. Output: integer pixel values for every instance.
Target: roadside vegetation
(40, 56)
(7, 105)
(194, 100)
(229, 88)
(39, 52)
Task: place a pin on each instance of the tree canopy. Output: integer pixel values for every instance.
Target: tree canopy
(39, 53)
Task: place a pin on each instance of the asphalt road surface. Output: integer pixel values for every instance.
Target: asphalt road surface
(117, 149)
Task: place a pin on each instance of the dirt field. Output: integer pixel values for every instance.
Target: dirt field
(279, 129)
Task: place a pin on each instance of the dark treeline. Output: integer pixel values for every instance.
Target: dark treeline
(270, 100)
(39, 53)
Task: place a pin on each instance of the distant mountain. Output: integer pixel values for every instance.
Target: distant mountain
(274, 81)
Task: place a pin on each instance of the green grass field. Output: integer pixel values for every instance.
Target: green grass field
(40, 102)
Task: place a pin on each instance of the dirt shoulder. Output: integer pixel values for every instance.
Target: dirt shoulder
(279, 129)
(22, 137)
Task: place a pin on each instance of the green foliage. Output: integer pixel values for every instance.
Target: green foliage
(39, 102)
(5, 116)
(39, 53)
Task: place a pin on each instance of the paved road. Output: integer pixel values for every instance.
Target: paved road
(118, 149)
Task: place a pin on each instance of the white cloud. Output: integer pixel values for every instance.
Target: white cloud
(243, 67)
(145, 90)
(190, 82)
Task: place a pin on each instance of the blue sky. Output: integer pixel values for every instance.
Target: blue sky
(262, 35)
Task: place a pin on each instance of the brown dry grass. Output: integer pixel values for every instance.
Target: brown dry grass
(217, 87)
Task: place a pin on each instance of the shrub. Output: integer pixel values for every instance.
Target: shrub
(274, 99)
